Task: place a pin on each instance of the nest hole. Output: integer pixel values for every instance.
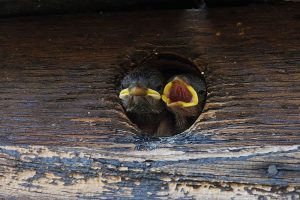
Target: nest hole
(182, 94)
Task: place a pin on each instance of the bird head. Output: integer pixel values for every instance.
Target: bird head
(140, 91)
(179, 93)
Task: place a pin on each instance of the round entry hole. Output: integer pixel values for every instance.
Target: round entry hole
(164, 95)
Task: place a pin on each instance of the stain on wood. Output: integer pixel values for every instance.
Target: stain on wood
(64, 133)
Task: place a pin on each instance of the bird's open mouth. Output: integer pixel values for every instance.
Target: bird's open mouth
(179, 93)
(138, 91)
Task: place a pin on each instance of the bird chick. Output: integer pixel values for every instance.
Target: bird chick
(184, 96)
(140, 95)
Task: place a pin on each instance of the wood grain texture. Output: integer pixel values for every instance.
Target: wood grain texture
(64, 134)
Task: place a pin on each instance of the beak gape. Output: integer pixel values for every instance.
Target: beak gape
(139, 91)
(178, 93)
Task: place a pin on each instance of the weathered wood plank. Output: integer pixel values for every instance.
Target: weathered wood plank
(59, 89)
(80, 172)
(56, 78)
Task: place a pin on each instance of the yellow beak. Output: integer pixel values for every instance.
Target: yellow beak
(138, 91)
(168, 101)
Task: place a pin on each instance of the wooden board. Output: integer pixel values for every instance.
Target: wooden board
(64, 134)
(45, 7)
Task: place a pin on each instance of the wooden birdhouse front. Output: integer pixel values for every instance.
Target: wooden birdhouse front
(65, 135)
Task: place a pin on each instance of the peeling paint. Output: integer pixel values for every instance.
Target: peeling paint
(156, 154)
(224, 191)
(61, 171)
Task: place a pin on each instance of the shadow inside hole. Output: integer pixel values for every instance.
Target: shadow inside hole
(173, 118)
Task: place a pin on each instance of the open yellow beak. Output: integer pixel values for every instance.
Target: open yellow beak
(168, 101)
(138, 91)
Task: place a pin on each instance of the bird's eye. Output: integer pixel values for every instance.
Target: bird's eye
(158, 87)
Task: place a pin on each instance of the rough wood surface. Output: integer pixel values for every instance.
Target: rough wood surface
(64, 134)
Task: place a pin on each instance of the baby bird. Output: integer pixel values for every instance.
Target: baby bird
(140, 95)
(184, 96)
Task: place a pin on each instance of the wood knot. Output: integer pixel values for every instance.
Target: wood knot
(272, 170)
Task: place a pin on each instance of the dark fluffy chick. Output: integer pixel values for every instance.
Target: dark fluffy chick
(140, 95)
(184, 96)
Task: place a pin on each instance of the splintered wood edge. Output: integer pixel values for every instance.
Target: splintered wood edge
(54, 172)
